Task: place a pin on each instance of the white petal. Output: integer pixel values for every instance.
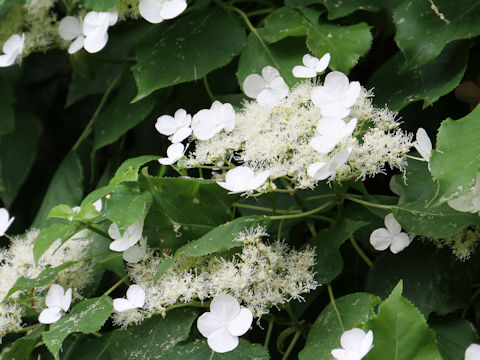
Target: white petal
(121, 244)
(182, 118)
(423, 144)
(70, 28)
(5, 221)
(172, 8)
(175, 151)
(207, 324)
(279, 87)
(472, 352)
(352, 94)
(334, 128)
(352, 339)
(221, 341)
(339, 159)
(319, 169)
(136, 295)
(237, 179)
(463, 203)
(258, 180)
(367, 342)
(226, 115)
(122, 305)
(95, 40)
(150, 10)
(380, 239)
(241, 323)
(114, 232)
(253, 85)
(336, 110)
(50, 315)
(55, 296)
(67, 300)
(76, 45)
(392, 224)
(205, 125)
(336, 83)
(269, 74)
(303, 72)
(309, 61)
(134, 232)
(133, 254)
(7, 60)
(166, 125)
(268, 98)
(98, 205)
(14, 44)
(322, 63)
(399, 242)
(352, 124)
(321, 97)
(112, 18)
(340, 354)
(323, 144)
(225, 308)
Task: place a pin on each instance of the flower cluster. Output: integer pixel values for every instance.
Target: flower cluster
(260, 275)
(462, 244)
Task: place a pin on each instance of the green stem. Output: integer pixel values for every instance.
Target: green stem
(302, 214)
(323, 196)
(271, 322)
(262, 208)
(360, 251)
(191, 303)
(208, 89)
(291, 345)
(260, 12)
(110, 258)
(292, 316)
(211, 356)
(415, 158)
(117, 284)
(366, 203)
(95, 229)
(332, 301)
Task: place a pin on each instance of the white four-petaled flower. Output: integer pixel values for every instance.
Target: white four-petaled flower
(5, 221)
(56, 300)
(337, 95)
(177, 126)
(331, 131)
(323, 170)
(135, 299)
(390, 236)
(12, 48)
(355, 345)
(267, 89)
(470, 201)
(312, 66)
(242, 178)
(174, 153)
(155, 11)
(472, 352)
(71, 28)
(129, 238)
(224, 323)
(208, 122)
(423, 144)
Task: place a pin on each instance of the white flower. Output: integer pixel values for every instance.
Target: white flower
(472, 352)
(391, 236)
(470, 201)
(312, 66)
(5, 221)
(136, 252)
(423, 144)
(337, 95)
(225, 322)
(155, 11)
(95, 29)
(174, 153)
(71, 28)
(355, 345)
(267, 89)
(129, 238)
(331, 131)
(322, 170)
(242, 179)
(208, 122)
(56, 300)
(12, 48)
(135, 299)
(178, 126)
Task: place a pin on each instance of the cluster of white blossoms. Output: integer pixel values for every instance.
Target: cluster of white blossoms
(17, 261)
(260, 275)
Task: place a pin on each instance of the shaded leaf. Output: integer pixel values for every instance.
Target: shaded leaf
(49, 235)
(99, 5)
(6, 101)
(282, 23)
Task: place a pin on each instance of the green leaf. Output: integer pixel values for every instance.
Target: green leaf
(46, 277)
(5, 5)
(99, 5)
(401, 332)
(454, 335)
(6, 99)
(120, 116)
(218, 240)
(126, 205)
(338, 8)
(329, 263)
(283, 55)
(438, 25)
(66, 187)
(414, 215)
(49, 235)
(346, 44)
(455, 163)
(61, 211)
(129, 169)
(434, 280)
(166, 56)
(17, 153)
(282, 23)
(427, 83)
(88, 316)
(23, 347)
(349, 311)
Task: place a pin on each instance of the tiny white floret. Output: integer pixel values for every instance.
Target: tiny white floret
(71, 28)
(224, 323)
(12, 48)
(324, 170)
(177, 126)
(129, 238)
(174, 153)
(95, 29)
(355, 345)
(472, 352)
(135, 299)
(242, 179)
(332, 131)
(56, 300)
(311, 66)
(390, 236)
(267, 89)
(337, 95)
(155, 11)
(423, 144)
(208, 122)
(5, 221)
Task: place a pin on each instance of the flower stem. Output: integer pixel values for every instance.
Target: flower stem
(291, 345)
(208, 89)
(332, 301)
(267, 209)
(271, 322)
(360, 251)
(366, 203)
(302, 214)
(191, 303)
(117, 284)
